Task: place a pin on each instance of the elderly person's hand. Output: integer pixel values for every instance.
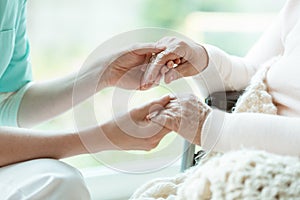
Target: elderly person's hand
(184, 115)
(181, 58)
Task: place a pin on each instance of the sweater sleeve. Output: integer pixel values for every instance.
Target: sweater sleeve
(224, 72)
(229, 72)
(277, 134)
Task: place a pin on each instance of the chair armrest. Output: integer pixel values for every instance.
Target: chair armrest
(223, 100)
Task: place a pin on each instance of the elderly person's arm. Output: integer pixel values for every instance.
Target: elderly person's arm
(273, 133)
(219, 131)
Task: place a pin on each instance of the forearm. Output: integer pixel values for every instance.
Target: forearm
(273, 133)
(45, 100)
(19, 144)
(23, 144)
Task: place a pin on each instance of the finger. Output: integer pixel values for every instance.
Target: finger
(146, 63)
(155, 67)
(170, 76)
(144, 48)
(159, 104)
(148, 57)
(163, 120)
(177, 61)
(168, 108)
(167, 119)
(152, 114)
(144, 68)
(170, 64)
(147, 86)
(151, 85)
(182, 70)
(153, 71)
(157, 81)
(164, 70)
(172, 104)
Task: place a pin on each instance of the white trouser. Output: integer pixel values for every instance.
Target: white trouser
(42, 179)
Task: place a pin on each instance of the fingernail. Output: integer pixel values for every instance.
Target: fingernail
(170, 66)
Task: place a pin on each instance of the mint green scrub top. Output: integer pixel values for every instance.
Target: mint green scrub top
(15, 68)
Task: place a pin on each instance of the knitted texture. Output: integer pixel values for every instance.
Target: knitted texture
(243, 174)
(161, 188)
(256, 97)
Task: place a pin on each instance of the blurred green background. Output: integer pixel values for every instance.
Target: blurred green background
(63, 32)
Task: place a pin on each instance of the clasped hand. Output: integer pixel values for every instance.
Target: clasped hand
(142, 67)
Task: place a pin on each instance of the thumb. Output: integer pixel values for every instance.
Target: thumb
(156, 105)
(182, 70)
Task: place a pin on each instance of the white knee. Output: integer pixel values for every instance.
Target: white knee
(48, 179)
(67, 183)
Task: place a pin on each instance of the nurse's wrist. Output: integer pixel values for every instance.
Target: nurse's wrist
(104, 77)
(95, 76)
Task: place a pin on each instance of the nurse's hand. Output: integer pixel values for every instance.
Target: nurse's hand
(189, 58)
(184, 115)
(127, 70)
(133, 131)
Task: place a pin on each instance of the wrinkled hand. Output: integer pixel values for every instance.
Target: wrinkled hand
(133, 131)
(127, 70)
(181, 58)
(184, 115)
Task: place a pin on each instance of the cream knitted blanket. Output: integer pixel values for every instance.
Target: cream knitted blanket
(243, 174)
